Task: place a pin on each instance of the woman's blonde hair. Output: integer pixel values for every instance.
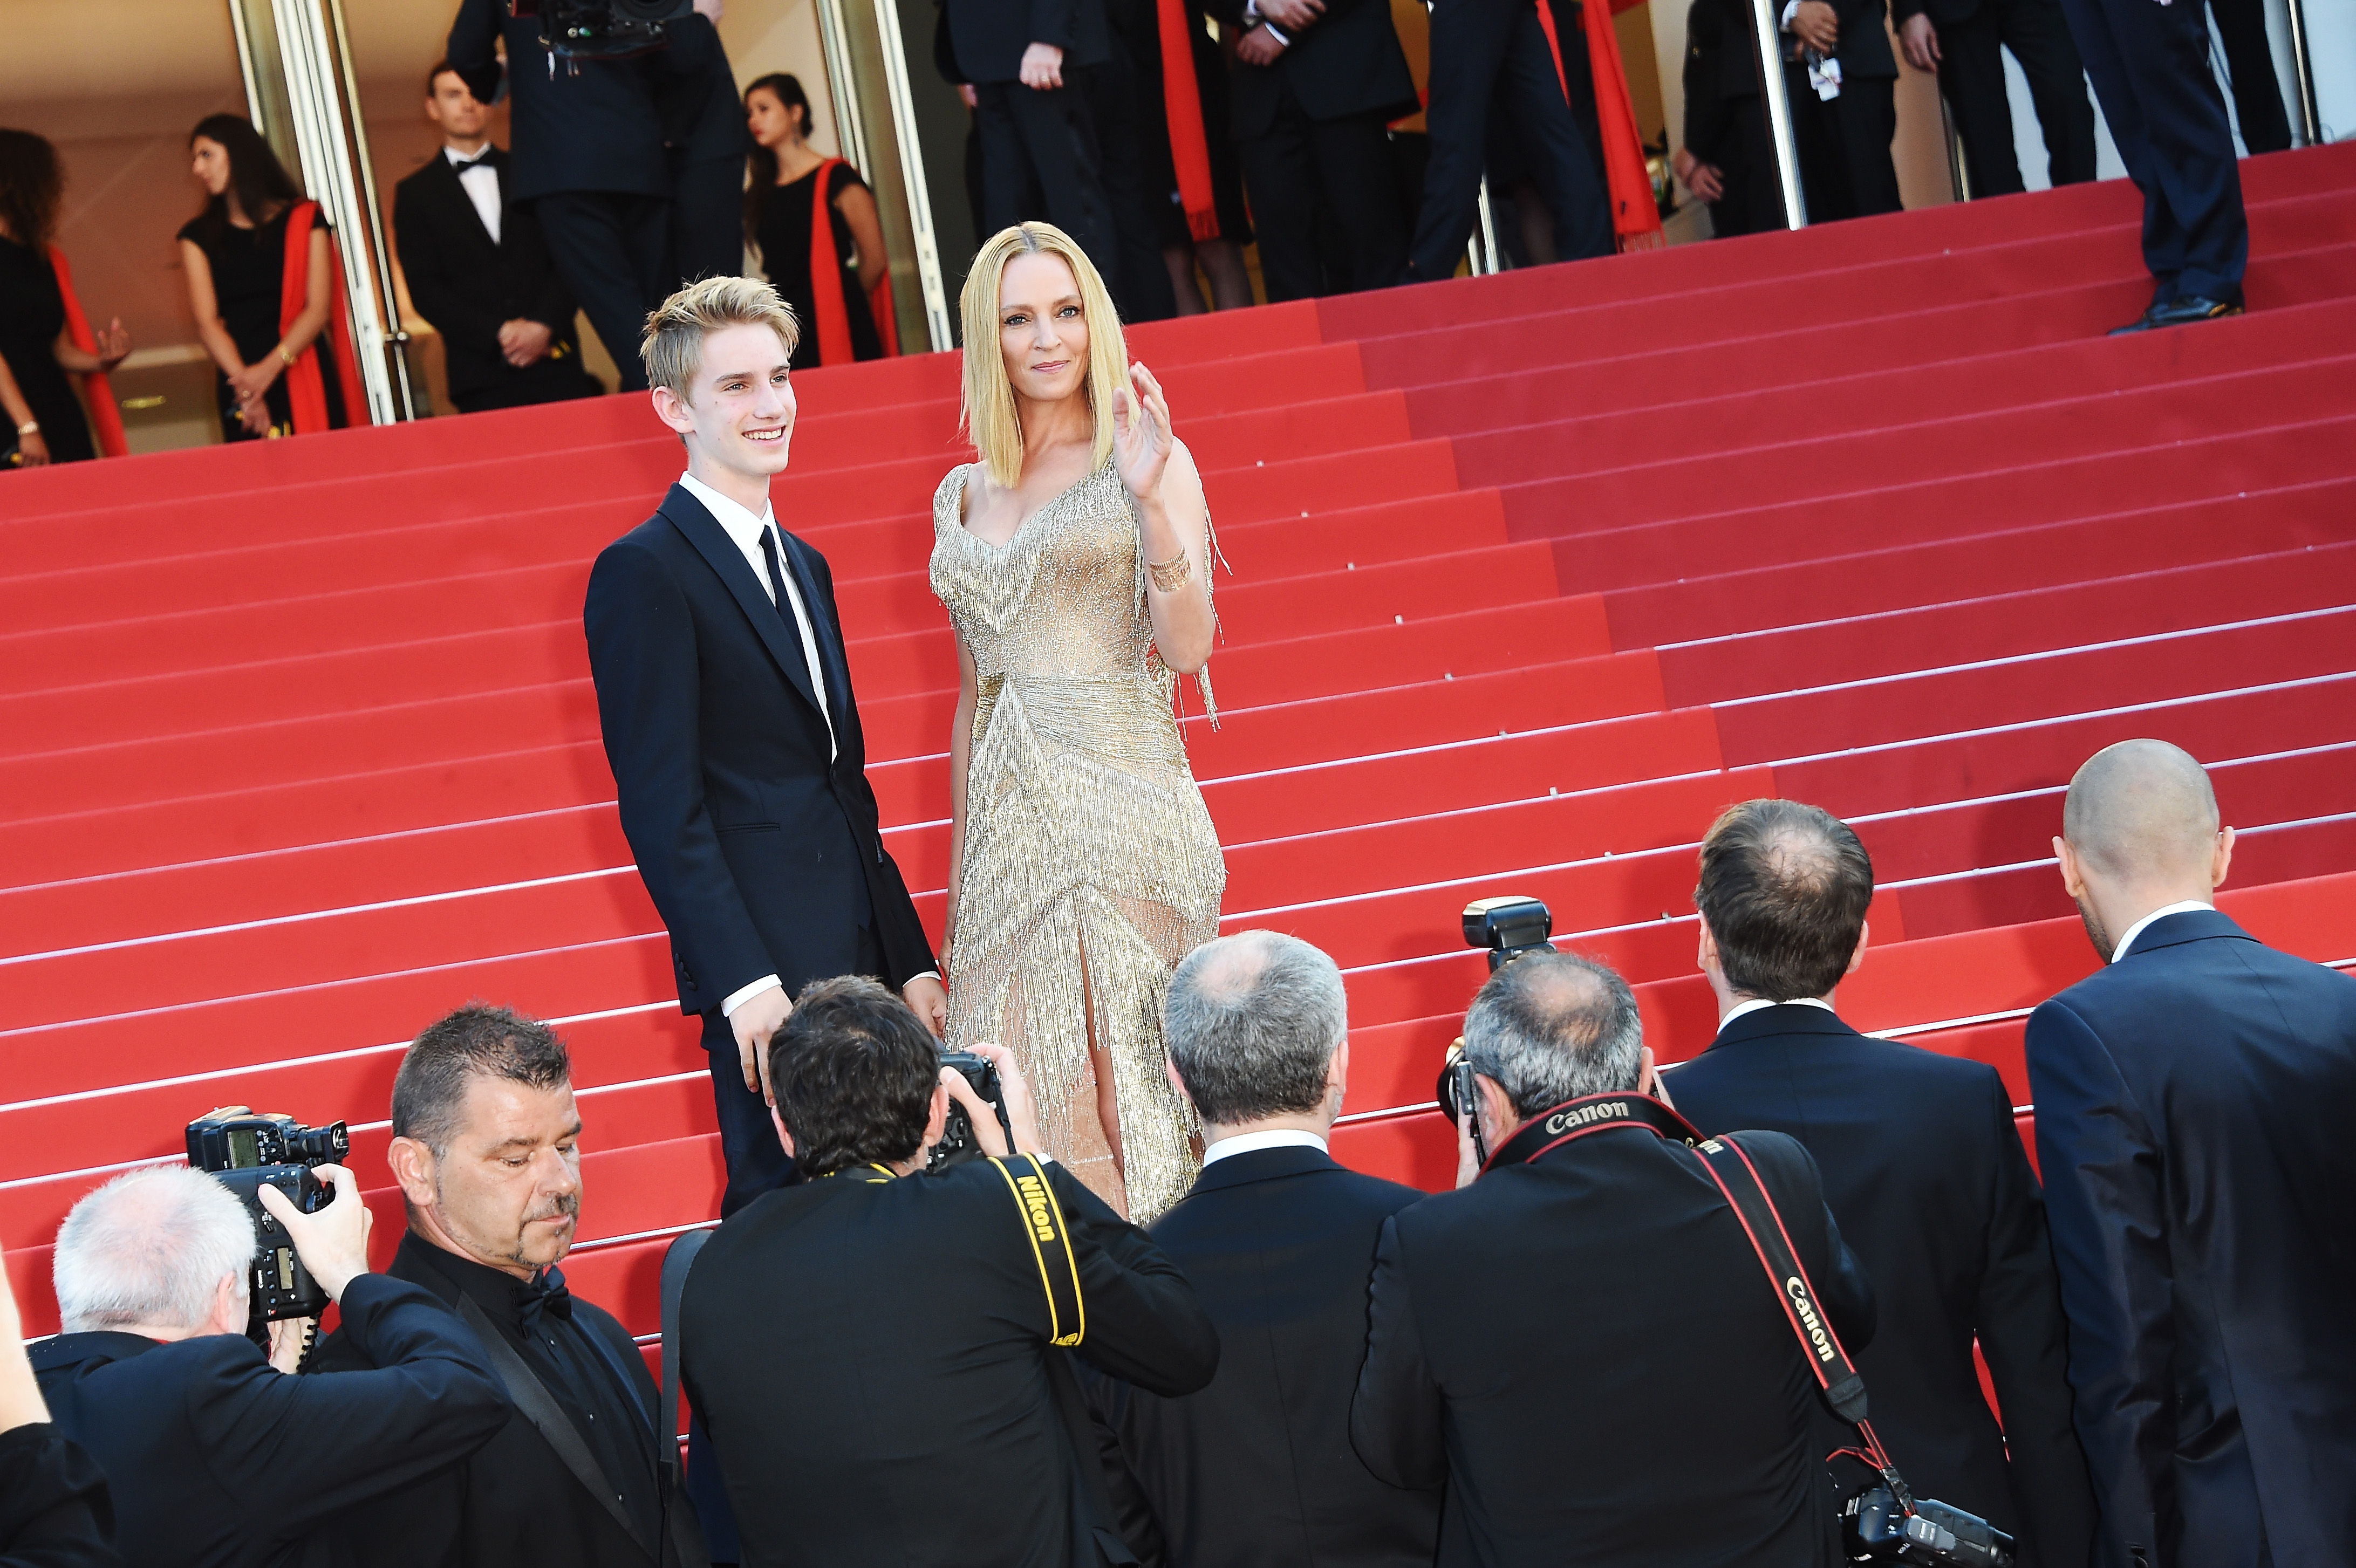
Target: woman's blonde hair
(990, 419)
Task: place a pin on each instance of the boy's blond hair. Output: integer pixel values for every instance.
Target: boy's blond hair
(990, 421)
(672, 349)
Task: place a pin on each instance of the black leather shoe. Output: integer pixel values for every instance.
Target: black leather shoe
(2180, 311)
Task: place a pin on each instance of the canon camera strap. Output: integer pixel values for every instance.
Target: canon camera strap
(1739, 1183)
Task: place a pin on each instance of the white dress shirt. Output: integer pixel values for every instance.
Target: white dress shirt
(2187, 907)
(481, 184)
(1757, 1003)
(1245, 1143)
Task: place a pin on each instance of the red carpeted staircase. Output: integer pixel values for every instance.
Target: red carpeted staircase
(1533, 575)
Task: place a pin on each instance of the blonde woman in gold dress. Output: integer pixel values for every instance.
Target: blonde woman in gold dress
(1074, 560)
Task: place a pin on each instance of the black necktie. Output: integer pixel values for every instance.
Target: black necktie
(545, 1294)
(777, 578)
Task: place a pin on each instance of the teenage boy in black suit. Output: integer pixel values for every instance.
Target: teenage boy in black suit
(478, 270)
(1256, 1471)
(1921, 1167)
(2193, 1101)
(731, 725)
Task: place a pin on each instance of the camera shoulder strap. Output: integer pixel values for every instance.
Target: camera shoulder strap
(1051, 1245)
(678, 1258)
(535, 1404)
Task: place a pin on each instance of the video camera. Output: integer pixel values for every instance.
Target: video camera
(958, 1143)
(246, 1152)
(604, 29)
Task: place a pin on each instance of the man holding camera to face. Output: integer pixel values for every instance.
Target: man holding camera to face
(211, 1454)
(878, 1351)
(1581, 1342)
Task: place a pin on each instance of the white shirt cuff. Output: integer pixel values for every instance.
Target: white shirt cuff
(1791, 9)
(738, 997)
(928, 974)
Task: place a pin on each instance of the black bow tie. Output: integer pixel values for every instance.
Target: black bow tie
(480, 160)
(545, 1294)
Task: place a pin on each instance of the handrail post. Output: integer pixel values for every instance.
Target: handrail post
(2310, 119)
(1771, 93)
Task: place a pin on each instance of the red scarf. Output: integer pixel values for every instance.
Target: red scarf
(95, 391)
(833, 323)
(1634, 217)
(307, 392)
(1182, 107)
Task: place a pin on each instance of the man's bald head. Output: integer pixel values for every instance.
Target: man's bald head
(1552, 1027)
(1252, 1022)
(2141, 814)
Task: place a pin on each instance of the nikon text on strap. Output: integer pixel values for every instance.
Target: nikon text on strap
(1739, 1183)
(1051, 1246)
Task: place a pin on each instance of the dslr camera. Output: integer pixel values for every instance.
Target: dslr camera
(958, 1145)
(604, 29)
(245, 1152)
(1510, 927)
(1878, 1528)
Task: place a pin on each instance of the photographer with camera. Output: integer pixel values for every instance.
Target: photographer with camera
(878, 1352)
(486, 1148)
(1581, 1342)
(213, 1457)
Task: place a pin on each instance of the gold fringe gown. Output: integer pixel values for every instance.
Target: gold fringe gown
(1085, 832)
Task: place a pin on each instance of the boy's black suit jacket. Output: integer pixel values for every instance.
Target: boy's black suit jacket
(1923, 1169)
(758, 852)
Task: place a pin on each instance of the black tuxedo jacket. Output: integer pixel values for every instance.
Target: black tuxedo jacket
(596, 129)
(758, 852)
(513, 1499)
(467, 285)
(1256, 1470)
(873, 1359)
(2194, 1102)
(1925, 1172)
(1586, 1350)
(215, 1458)
(986, 38)
(1863, 48)
(1348, 61)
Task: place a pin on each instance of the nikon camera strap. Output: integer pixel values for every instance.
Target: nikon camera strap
(1739, 1183)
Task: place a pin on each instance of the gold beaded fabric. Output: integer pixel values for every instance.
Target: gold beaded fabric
(1090, 865)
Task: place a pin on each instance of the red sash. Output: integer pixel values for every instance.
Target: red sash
(306, 391)
(833, 323)
(103, 414)
(1182, 107)
(1634, 217)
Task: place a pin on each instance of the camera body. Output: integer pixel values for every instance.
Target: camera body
(245, 1152)
(605, 29)
(958, 1145)
(1875, 1527)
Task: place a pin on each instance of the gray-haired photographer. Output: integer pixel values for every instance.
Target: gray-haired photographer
(212, 1454)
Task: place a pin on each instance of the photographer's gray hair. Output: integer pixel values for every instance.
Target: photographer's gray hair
(151, 1247)
(429, 1092)
(1252, 1022)
(1554, 1026)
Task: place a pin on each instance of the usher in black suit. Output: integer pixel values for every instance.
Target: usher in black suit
(1924, 1171)
(1972, 36)
(1585, 1348)
(1844, 141)
(1256, 1470)
(762, 856)
(1311, 131)
(468, 285)
(880, 1367)
(2194, 1102)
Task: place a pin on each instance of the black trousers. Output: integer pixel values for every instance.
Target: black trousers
(707, 219)
(1040, 147)
(612, 252)
(748, 1139)
(2250, 62)
(1971, 74)
(1844, 144)
(1482, 49)
(1138, 278)
(1300, 167)
(2149, 65)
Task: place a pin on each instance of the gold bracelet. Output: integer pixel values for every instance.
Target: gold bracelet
(287, 356)
(1170, 575)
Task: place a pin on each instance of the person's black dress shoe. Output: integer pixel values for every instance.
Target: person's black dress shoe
(2179, 312)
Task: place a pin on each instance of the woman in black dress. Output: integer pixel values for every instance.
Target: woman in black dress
(35, 351)
(780, 212)
(235, 255)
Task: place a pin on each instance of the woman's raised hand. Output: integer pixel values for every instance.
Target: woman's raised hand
(1141, 437)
